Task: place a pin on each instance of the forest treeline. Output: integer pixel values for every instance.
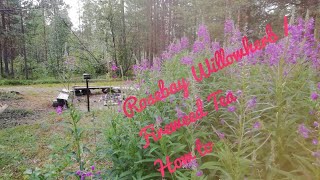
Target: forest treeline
(37, 39)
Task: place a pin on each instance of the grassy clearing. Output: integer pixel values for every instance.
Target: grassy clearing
(17, 146)
(49, 145)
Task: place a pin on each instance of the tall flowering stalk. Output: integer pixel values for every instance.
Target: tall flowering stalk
(77, 134)
(203, 34)
(203, 41)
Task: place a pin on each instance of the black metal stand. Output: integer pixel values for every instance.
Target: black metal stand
(88, 93)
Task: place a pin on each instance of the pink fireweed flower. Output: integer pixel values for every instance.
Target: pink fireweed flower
(232, 108)
(273, 52)
(304, 131)
(199, 173)
(229, 91)
(92, 168)
(174, 48)
(316, 154)
(236, 36)
(184, 42)
(316, 124)
(203, 34)
(228, 26)
(156, 64)
(215, 46)
(198, 46)
(239, 93)
(166, 55)
(252, 103)
(145, 65)
(114, 67)
(159, 120)
(315, 141)
(59, 110)
(193, 164)
(180, 113)
(220, 135)
(257, 125)
(136, 69)
(314, 96)
(119, 106)
(187, 60)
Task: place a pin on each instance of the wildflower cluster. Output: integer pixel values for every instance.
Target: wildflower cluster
(311, 133)
(92, 173)
(194, 166)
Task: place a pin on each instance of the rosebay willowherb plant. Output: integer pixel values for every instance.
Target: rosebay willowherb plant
(271, 132)
(76, 134)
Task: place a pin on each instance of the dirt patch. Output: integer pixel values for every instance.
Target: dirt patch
(15, 117)
(30, 104)
(9, 95)
(26, 105)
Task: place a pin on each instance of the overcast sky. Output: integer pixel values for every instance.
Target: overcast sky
(74, 11)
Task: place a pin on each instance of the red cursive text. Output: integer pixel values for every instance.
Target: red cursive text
(130, 105)
(202, 149)
(220, 60)
(223, 101)
(173, 126)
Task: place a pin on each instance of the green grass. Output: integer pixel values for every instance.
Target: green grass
(43, 145)
(19, 82)
(17, 146)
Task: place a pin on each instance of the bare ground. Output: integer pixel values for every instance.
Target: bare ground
(34, 104)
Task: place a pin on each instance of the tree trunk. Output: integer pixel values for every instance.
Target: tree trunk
(24, 48)
(163, 16)
(5, 47)
(45, 36)
(170, 24)
(151, 30)
(125, 62)
(12, 56)
(114, 43)
(110, 19)
(1, 57)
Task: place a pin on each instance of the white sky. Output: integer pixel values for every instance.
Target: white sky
(74, 11)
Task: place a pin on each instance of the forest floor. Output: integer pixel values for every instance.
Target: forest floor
(30, 127)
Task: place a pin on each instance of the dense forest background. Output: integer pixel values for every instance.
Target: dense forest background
(37, 39)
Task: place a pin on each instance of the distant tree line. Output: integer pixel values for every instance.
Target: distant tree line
(36, 38)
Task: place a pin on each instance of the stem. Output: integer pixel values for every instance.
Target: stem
(77, 138)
